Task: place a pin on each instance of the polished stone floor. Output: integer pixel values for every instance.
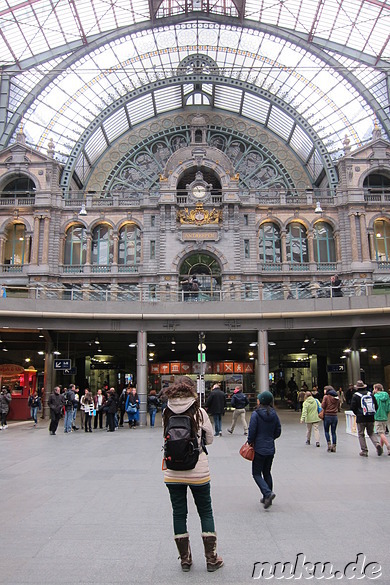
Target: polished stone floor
(91, 508)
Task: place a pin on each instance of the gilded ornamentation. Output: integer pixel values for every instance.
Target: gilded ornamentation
(199, 215)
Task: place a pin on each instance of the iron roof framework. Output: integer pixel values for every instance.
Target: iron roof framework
(76, 72)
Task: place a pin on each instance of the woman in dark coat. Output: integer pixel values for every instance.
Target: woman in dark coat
(264, 428)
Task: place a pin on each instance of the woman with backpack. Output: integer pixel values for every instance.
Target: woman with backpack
(186, 465)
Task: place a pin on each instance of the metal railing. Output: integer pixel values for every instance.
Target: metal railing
(160, 293)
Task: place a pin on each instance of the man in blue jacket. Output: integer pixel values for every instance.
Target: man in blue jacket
(239, 402)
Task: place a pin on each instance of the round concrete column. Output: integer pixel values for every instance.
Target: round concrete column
(262, 372)
(142, 373)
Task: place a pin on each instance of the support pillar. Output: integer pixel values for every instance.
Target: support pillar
(45, 250)
(142, 374)
(354, 246)
(48, 378)
(355, 365)
(364, 238)
(262, 371)
(35, 243)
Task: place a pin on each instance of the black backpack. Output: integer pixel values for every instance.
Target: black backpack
(181, 448)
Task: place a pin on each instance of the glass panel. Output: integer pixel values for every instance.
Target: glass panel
(15, 245)
(296, 243)
(102, 245)
(129, 245)
(269, 243)
(382, 240)
(75, 246)
(324, 245)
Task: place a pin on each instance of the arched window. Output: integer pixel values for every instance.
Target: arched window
(377, 182)
(129, 245)
(382, 240)
(19, 187)
(296, 243)
(324, 246)
(15, 252)
(269, 243)
(75, 246)
(102, 246)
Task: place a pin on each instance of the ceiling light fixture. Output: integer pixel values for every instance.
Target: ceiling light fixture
(347, 350)
(363, 349)
(271, 343)
(173, 342)
(306, 340)
(253, 344)
(230, 341)
(150, 344)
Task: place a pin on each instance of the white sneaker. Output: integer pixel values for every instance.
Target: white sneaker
(1, 428)
(5, 427)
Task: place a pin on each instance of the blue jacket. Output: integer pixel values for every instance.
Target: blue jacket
(264, 428)
(239, 400)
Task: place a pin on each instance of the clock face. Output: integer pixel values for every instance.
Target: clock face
(199, 191)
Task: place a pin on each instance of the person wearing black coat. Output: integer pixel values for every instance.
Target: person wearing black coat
(215, 406)
(111, 406)
(239, 401)
(365, 422)
(55, 404)
(264, 428)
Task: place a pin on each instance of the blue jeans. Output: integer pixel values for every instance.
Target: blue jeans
(202, 498)
(68, 421)
(261, 472)
(330, 420)
(34, 413)
(217, 423)
(152, 414)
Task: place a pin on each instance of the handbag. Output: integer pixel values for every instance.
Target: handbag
(321, 414)
(247, 452)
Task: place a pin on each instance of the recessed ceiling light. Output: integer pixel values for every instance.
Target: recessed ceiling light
(254, 343)
(363, 349)
(306, 340)
(271, 343)
(150, 344)
(132, 344)
(347, 350)
(362, 332)
(230, 341)
(374, 357)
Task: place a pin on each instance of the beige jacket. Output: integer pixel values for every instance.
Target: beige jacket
(201, 473)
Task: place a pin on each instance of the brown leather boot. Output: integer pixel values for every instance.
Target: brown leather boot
(183, 546)
(329, 447)
(213, 561)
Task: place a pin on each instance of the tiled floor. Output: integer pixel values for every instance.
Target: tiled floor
(92, 509)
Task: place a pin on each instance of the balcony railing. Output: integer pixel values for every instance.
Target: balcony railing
(159, 293)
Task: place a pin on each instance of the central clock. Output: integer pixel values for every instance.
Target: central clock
(199, 191)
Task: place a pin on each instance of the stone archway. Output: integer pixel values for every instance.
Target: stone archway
(208, 272)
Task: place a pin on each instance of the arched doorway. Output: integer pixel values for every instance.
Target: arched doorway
(207, 271)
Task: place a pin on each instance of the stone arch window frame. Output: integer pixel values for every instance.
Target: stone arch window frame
(276, 224)
(25, 248)
(316, 250)
(110, 239)
(138, 238)
(304, 256)
(203, 252)
(386, 239)
(382, 170)
(14, 176)
(83, 252)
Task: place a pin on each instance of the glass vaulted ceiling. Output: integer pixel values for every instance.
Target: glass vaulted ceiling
(312, 71)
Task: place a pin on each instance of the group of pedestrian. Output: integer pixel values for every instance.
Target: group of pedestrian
(371, 411)
(92, 408)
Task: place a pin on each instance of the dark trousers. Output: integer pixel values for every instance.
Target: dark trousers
(99, 416)
(202, 499)
(88, 422)
(111, 421)
(54, 420)
(261, 472)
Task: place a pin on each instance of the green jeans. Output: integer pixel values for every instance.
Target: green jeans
(202, 499)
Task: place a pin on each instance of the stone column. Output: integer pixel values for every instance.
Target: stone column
(35, 246)
(2, 249)
(116, 249)
(283, 247)
(336, 235)
(142, 374)
(364, 238)
(262, 378)
(45, 250)
(89, 249)
(310, 245)
(354, 246)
